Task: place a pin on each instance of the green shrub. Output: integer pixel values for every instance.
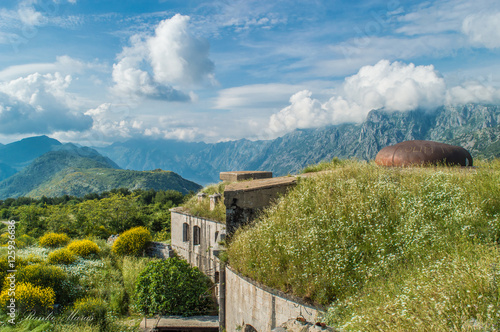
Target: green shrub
(44, 275)
(29, 297)
(62, 256)
(25, 241)
(92, 309)
(173, 287)
(84, 248)
(53, 240)
(132, 242)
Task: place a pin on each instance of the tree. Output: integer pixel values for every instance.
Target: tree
(173, 287)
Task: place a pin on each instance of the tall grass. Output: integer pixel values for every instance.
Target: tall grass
(455, 291)
(340, 231)
(202, 209)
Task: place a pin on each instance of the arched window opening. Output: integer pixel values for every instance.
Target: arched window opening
(185, 232)
(196, 235)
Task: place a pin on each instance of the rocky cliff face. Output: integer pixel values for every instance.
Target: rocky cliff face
(475, 127)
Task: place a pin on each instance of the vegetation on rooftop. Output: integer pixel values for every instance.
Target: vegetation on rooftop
(202, 209)
(385, 248)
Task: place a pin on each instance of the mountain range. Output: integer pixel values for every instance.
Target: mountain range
(44, 166)
(475, 127)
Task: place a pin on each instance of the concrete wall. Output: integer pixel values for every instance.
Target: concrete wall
(159, 250)
(244, 200)
(200, 255)
(248, 303)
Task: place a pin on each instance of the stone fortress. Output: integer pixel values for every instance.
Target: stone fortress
(244, 304)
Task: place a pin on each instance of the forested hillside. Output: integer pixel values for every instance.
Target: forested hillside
(78, 171)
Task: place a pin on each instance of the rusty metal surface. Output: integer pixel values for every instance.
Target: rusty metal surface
(423, 153)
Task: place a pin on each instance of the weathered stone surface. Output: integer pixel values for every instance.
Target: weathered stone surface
(200, 255)
(201, 197)
(159, 250)
(244, 175)
(244, 200)
(214, 200)
(423, 153)
(263, 308)
(295, 325)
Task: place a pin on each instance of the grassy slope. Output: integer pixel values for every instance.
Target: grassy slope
(79, 182)
(388, 249)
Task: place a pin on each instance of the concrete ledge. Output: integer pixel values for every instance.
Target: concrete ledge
(244, 175)
(261, 184)
(176, 323)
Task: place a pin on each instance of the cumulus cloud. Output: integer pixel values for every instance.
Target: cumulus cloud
(472, 92)
(39, 104)
(110, 120)
(157, 66)
(483, 29)
(392, 86)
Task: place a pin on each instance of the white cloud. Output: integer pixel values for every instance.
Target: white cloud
(483, 29)
(176, 58)
(64, 64)
(392, 86)
(472, 92)
(29, 16)
(254, 96)
(26, 15)
(39, 104)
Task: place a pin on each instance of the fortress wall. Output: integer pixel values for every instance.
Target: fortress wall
(264, 308)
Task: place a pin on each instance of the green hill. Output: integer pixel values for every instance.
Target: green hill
(78, 182)
(78, 171)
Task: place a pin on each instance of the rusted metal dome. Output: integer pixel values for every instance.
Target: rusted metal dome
(423, 153)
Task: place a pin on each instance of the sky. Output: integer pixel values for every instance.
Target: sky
(96, 72)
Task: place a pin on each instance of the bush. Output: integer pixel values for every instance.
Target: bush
(44, 275)
(25, 241)
(93, 309)
(173, 287)
(84, 248)
(132, 242)
(62, 256)
(29, 297)
(5, 266)
(53, 240)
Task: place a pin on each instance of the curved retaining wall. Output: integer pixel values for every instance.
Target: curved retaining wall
(249, 303)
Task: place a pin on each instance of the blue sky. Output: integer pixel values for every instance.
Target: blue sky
(95, 72)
